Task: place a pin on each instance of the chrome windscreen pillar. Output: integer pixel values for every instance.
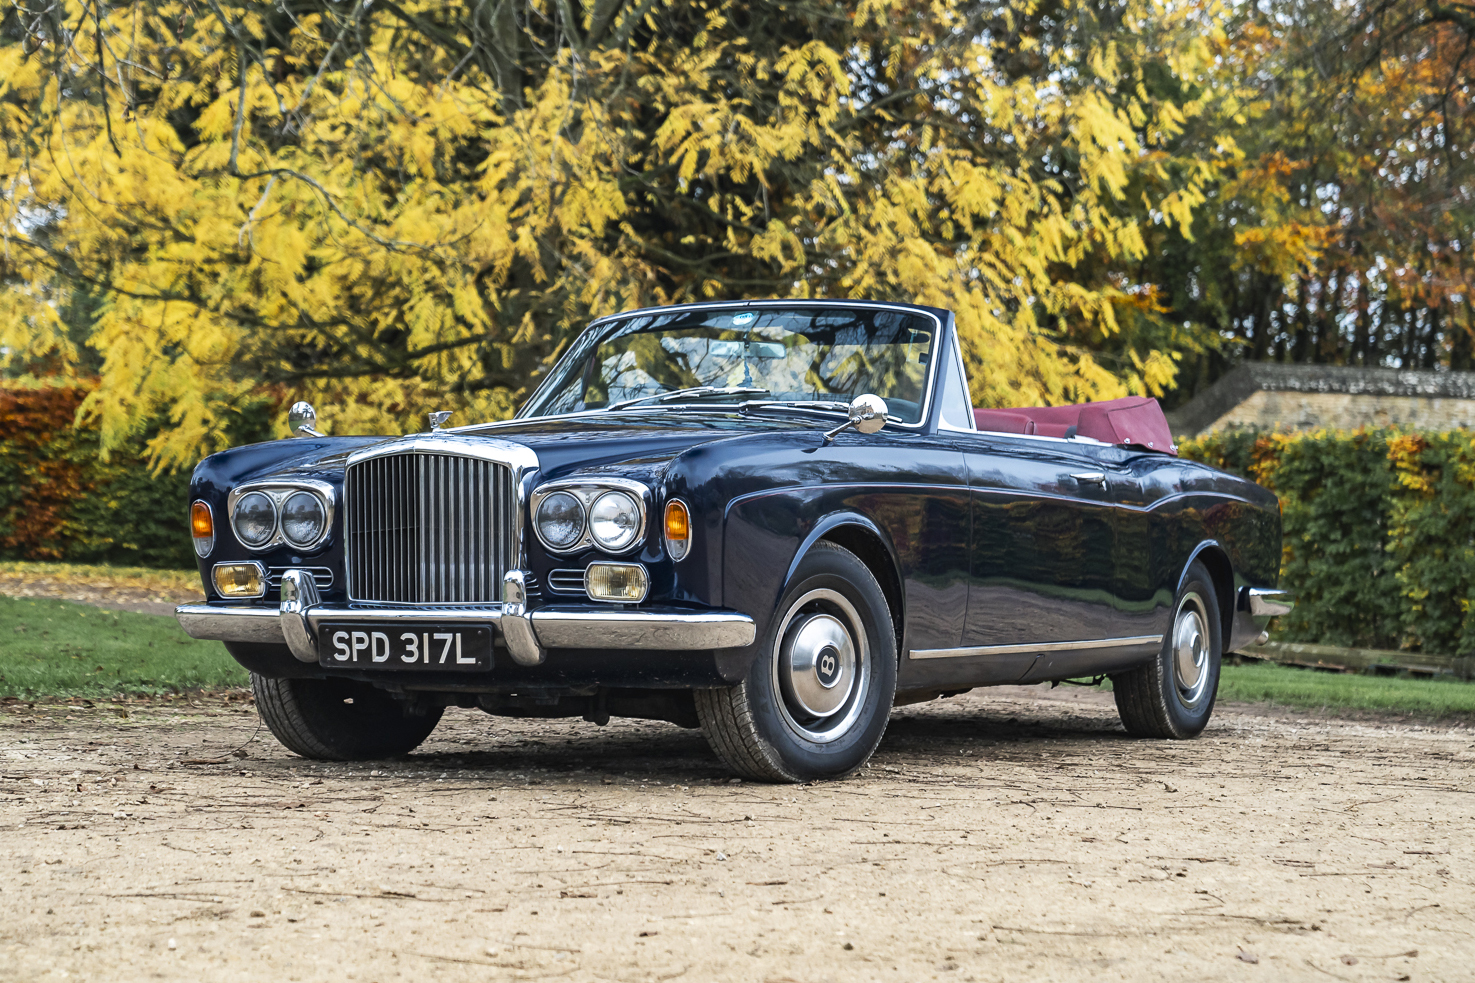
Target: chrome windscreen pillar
(299, 593)
(517, 625)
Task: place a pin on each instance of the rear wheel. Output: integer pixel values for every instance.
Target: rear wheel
(818, 697)
(1173, 696)
(339, 719)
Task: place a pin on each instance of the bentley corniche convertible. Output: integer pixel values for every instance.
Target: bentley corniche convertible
(771, 520)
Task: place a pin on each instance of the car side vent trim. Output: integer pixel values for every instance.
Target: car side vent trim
(322, 576)
(567, 581)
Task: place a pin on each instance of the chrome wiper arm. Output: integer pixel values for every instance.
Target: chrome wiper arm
(823, 405)
(674, 394)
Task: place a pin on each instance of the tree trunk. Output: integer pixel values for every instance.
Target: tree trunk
(1461, 356)
(1360, 347)
(1301, 344)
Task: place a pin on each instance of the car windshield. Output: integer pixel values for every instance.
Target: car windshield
(816, 354)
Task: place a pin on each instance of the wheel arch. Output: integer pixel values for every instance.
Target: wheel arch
(861, 536)
(1216, 560)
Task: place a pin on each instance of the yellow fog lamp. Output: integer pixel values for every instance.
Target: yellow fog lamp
(202, 528)
(625, 583)
(678, 529)
(238, 580)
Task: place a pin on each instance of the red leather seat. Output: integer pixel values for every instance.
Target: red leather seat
(1136, 421)
(1003, 421)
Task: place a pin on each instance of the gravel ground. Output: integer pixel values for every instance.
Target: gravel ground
(1009, 834)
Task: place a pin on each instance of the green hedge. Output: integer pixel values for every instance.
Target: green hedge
(60, 501)
(1379, 524)
(1379, 532)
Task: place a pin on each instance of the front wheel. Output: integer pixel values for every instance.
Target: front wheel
(818, 697)
(339, 719)
(1173, 696)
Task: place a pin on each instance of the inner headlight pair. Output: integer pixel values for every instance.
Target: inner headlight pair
(610, 518)
(299, 517)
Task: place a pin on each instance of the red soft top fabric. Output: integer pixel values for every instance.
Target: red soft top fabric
(1134, 420)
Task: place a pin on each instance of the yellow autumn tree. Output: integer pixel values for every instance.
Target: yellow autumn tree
(397, 205)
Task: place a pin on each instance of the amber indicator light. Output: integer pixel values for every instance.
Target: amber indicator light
(200, 522)
(678, 522)
(678, 530)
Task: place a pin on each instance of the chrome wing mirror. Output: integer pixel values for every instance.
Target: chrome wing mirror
(867, 415)
(302, 420)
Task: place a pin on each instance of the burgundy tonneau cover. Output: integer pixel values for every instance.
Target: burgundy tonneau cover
(1137, 421)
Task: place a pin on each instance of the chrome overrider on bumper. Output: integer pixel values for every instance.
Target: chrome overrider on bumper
(528, 634)
(1267, 602)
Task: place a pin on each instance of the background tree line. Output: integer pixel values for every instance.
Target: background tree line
(213, 205)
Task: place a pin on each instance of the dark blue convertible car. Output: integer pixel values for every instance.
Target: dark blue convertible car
(772, 520)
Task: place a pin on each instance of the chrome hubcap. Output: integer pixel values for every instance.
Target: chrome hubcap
(822, 668)
(1191, 650)
(817, 664)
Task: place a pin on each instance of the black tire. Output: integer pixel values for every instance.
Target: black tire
(1165, 698)
(339, 719)
(761, 728)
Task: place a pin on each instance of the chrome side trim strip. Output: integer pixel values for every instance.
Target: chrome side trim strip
(643, 629)
(1135, 641)
(223, 624)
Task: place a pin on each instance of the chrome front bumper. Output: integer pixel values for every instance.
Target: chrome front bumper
(527, 634)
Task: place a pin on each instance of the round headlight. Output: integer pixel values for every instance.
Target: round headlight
(614, 521)
(560, 520)
(303, 519)
(255, 519)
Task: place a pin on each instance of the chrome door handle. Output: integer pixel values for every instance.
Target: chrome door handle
(1091, 478)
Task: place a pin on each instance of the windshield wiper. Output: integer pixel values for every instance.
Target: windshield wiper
(674, 394)
(824, 405)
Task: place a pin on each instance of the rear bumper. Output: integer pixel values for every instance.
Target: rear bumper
(1267, 602)
(556, 628)
(1255, 607)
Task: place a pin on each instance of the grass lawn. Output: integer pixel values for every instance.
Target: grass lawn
(1267, 682)
(58, 648)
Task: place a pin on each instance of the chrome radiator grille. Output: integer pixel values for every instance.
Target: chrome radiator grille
(428, 529)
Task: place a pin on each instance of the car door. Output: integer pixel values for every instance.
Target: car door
(1042, 564)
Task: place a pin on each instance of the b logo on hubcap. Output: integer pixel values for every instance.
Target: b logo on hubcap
(827, 667)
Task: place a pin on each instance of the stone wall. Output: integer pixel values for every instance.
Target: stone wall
(1345, 411)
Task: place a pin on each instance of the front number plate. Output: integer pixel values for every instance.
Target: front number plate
(444, 649)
